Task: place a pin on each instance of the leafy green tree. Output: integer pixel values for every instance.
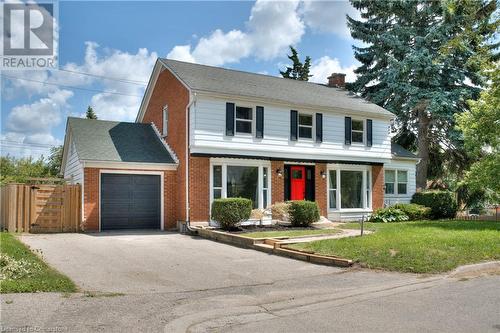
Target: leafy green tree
(421, 61)
(298, 70)
(55, 160)
(18, 170)
(481, 129)
(90, 114)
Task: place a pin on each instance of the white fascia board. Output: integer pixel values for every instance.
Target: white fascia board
(128, 165)
(286, 156)
(157, 69)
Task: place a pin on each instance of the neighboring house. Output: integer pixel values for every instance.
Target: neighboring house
(227, 133)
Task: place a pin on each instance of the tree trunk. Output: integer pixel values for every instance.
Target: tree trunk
(423, 144)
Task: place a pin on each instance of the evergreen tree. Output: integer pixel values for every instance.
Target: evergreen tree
(298, 70)
(90, 114)
(55, 160)
(421, 63)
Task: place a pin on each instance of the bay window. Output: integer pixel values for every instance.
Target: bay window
(241, 180)
(349, 187)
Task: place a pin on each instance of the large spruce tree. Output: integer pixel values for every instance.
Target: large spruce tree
(418, 63)
(298, 70)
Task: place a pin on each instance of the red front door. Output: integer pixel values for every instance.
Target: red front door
(298, 182)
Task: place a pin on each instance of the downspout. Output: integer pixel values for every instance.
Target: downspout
(190, 103)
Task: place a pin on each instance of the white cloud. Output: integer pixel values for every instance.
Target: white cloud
(271, 27)
(328, 16)
(39, 116)
(322, 68)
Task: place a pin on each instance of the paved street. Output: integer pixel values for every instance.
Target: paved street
(240, 291)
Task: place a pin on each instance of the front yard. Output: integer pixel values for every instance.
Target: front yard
(23, 271)
(418, 247)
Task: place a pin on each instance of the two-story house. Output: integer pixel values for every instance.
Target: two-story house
(205, 132)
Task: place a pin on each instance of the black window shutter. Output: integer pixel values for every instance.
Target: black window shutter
(259, 118)
(369, 132)
(319, 127)
(348, 128)
(230, 119)
(293, 124)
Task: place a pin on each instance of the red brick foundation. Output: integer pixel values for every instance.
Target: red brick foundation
(277, 182)
(320, 187)
(199, 189)
(377, 187)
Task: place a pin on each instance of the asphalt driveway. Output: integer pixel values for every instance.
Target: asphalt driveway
(142, 262)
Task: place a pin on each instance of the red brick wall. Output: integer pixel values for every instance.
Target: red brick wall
(320, 188)
(170, 91)
(90, 220)
(277, 183)
(91, 199)
(377, 186)
(199, 189)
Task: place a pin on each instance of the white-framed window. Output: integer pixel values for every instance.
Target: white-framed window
(305, 125)
(396, 182)
(165, 120)
(243, 120)
(241, 178)
(332, 189)
(390, 180)
(357, 131)
(402, 181)
(217, 181)
(349, 187)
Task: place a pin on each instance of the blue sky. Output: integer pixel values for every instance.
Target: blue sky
(116, 44)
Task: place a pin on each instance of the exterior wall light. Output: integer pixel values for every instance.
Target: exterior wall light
(279, 172)
(323, 174)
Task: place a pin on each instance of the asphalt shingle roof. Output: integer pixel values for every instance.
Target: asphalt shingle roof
(99, 140)
(398, 151)
(234, 82)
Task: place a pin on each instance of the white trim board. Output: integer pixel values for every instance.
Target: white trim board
(132, 172)
(129, 165)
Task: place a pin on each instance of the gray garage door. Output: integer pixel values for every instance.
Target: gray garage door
(130, 201)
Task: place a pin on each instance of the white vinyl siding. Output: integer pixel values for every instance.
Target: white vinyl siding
(74, 168)
(208, 130)
(401, 165)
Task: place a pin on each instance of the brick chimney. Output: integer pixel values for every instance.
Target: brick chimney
(336, 80)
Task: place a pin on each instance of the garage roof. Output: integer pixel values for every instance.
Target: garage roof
(114, 141)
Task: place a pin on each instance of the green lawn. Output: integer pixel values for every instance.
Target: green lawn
(290, 233)
(418, 247)
(22, 271)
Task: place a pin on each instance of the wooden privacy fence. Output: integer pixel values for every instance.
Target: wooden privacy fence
(40, 208)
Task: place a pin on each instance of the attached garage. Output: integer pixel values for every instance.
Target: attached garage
(130, 201)
(124, 169)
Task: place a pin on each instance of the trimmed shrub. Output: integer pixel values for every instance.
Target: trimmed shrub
(414, 211)
(231, 211)
(303, 213)
(279, 211)
(442, 203)
(387, 215)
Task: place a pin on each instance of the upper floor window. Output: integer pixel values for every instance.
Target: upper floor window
(396, 181)
(357, 131)
(305, 126)
(165, 120)
(243, 119)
